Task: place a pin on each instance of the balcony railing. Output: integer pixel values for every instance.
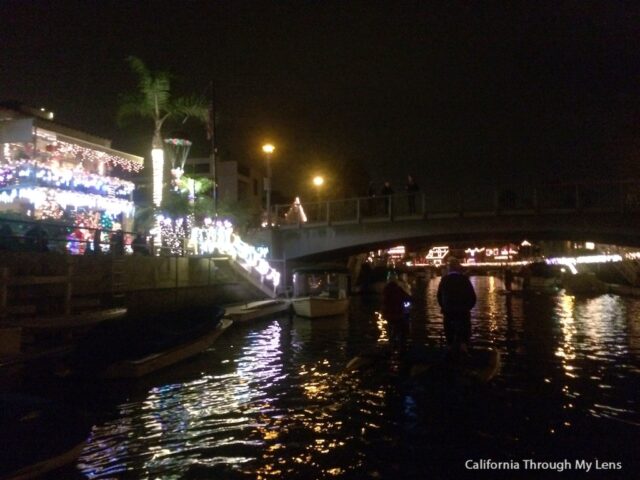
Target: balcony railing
(468, 200)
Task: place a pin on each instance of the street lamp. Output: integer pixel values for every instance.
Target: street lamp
(318, 181)
(268, 149)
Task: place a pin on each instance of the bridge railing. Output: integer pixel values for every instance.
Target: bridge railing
(469, 200)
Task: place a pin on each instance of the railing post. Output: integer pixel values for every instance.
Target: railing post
(423, 200)
(390, 210)
(4, 287)
(328, 213)
(622, 197)
(358, 218)
(68, 291)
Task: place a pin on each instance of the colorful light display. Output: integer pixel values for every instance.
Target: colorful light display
(219, 237)
(84, 153)
(55, 178)
(29, 173)
(157, 158)
(42, 199)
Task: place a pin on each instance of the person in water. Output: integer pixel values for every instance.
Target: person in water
(456, 298)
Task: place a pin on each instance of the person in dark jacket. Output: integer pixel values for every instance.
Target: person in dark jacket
(117, 243)
(395, 300)
(97, 240)
(140, 245)
(456, 298)
(386, 193)
(412, 191)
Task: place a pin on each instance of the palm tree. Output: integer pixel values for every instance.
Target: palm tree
(153, 100)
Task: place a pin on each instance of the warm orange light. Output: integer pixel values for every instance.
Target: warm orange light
(318, 181)
(268, 148)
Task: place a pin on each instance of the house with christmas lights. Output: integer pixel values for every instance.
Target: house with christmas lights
(59, 175)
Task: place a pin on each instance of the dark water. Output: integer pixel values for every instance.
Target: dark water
(271, 400)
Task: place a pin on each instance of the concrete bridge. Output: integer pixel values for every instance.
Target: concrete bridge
(606, 212)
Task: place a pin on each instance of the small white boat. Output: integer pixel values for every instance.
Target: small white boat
(155, 361)
(257, 310)
(320, 291)
(313, 307)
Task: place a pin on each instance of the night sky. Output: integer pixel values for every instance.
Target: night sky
(532, 91)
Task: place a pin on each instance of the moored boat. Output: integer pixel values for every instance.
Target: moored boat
(132, 347)
(134, 368)
(539, 277)
(257, 310)
(313, 307)
(320, 291)
(584, 283)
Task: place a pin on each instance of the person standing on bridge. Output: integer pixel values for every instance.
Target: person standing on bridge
(456, 298)
(412, 189)
(386, 192)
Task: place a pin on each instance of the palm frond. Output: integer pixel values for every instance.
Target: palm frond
(153, 87)
(190, 107)
(140, 69)
(132, 105)
(157, 91)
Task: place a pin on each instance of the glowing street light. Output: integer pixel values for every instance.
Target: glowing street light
(268, 149)
(318, 181)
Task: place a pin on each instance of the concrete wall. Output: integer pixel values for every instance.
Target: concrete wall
(143, 284)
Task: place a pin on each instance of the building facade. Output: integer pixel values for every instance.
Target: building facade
(55, 174)
(237, 183)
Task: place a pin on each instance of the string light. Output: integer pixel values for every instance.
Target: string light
(39, 197)
(31, 174)
(90, 154)
(157, 157)
(218, 236)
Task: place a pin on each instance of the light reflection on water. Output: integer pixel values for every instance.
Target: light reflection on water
(271, 400)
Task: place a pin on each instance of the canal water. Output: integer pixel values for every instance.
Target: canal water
(271, 399)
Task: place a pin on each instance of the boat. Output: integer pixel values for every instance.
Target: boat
(68, 323)
(132, 347)
(318, 306)
(260, 309)
(430, 363)
(320, 291)
(135, 368)
(42, 334)
(584, 283)
(479, 365)
(44, 435)
(539, 277)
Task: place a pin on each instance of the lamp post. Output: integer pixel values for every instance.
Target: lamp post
(268, 149)
(318, 181)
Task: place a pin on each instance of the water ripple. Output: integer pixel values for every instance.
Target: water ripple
(271, 400)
